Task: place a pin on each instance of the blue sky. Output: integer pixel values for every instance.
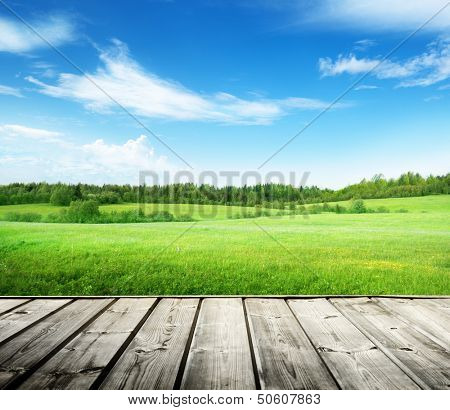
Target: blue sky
(225, 84)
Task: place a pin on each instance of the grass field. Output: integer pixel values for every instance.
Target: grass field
(197, 212)
(431, 203)
(395, 253)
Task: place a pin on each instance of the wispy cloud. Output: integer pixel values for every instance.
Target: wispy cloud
(433, 98)
(6, 90)
(44, 69)
(19, 131)
(364, 44)
(33, 154)
(422, 70)
(366, 87)
(15, 37)
(149, 95)
(379, 15)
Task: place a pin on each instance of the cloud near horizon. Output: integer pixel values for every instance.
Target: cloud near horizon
(146, 94)
(34, 154)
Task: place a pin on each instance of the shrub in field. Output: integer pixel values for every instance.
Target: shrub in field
(357, 207)
(53, 217)
(326, 207)
(61, 195)
(121, 217)
(339, 209)
(315, 209)
(382, 210)
(401, 211)
(22, 217)
(261, 212)
(301, 209)
(82, 212)
(162, 216)
(184, 218)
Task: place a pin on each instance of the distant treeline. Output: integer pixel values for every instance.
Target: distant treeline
(266, 195)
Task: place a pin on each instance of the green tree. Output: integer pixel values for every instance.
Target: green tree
(61, 195)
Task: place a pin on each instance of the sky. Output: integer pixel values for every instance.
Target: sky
(95, 94)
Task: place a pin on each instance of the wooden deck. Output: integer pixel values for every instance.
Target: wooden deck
(225, 343)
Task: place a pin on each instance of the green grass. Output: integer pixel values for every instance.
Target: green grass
(424, 204)
(391, 253)
(196, 211)
(431, 203)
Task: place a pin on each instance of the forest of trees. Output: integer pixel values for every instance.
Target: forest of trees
(265, 195)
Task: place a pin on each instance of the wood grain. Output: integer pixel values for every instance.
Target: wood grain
(426, 362)
(284, 356)
(78, 364)
(354, 360)
(429, 320)
(18, 319)
(153, 358)
(219, 357)
(19, 354)
(7, 304)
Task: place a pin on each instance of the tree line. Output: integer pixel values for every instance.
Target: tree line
(265, 195)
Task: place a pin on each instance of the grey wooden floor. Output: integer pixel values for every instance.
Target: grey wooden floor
(224, 343)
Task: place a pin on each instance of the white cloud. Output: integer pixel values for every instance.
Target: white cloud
(364, 44)
(423, 70)
(15, 130)
(16, 37)
(44, 69)
(366, 87)
(381, 14)
(433, 98)
(24, 157)
(6, 90)
(350, 64)
(146, 94)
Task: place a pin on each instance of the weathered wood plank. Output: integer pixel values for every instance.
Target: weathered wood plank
(440, 307)
(78, 364)
(153, 358)
(354, 360)
(284, 356)
(8, 304)
(18, 319)
(428, 320)
(19, 354)
(219, 357)
(426, 362)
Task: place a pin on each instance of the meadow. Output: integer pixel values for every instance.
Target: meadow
(389, 253)
(198, 212)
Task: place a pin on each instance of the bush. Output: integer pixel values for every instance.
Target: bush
(301, 210)
(401, 211)
(185, 218)
(61, 195)
(339, 209)
(358, 207)
(315, 209)
(383, 210)
(163, 216)
(22, 217)
(82, 212)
